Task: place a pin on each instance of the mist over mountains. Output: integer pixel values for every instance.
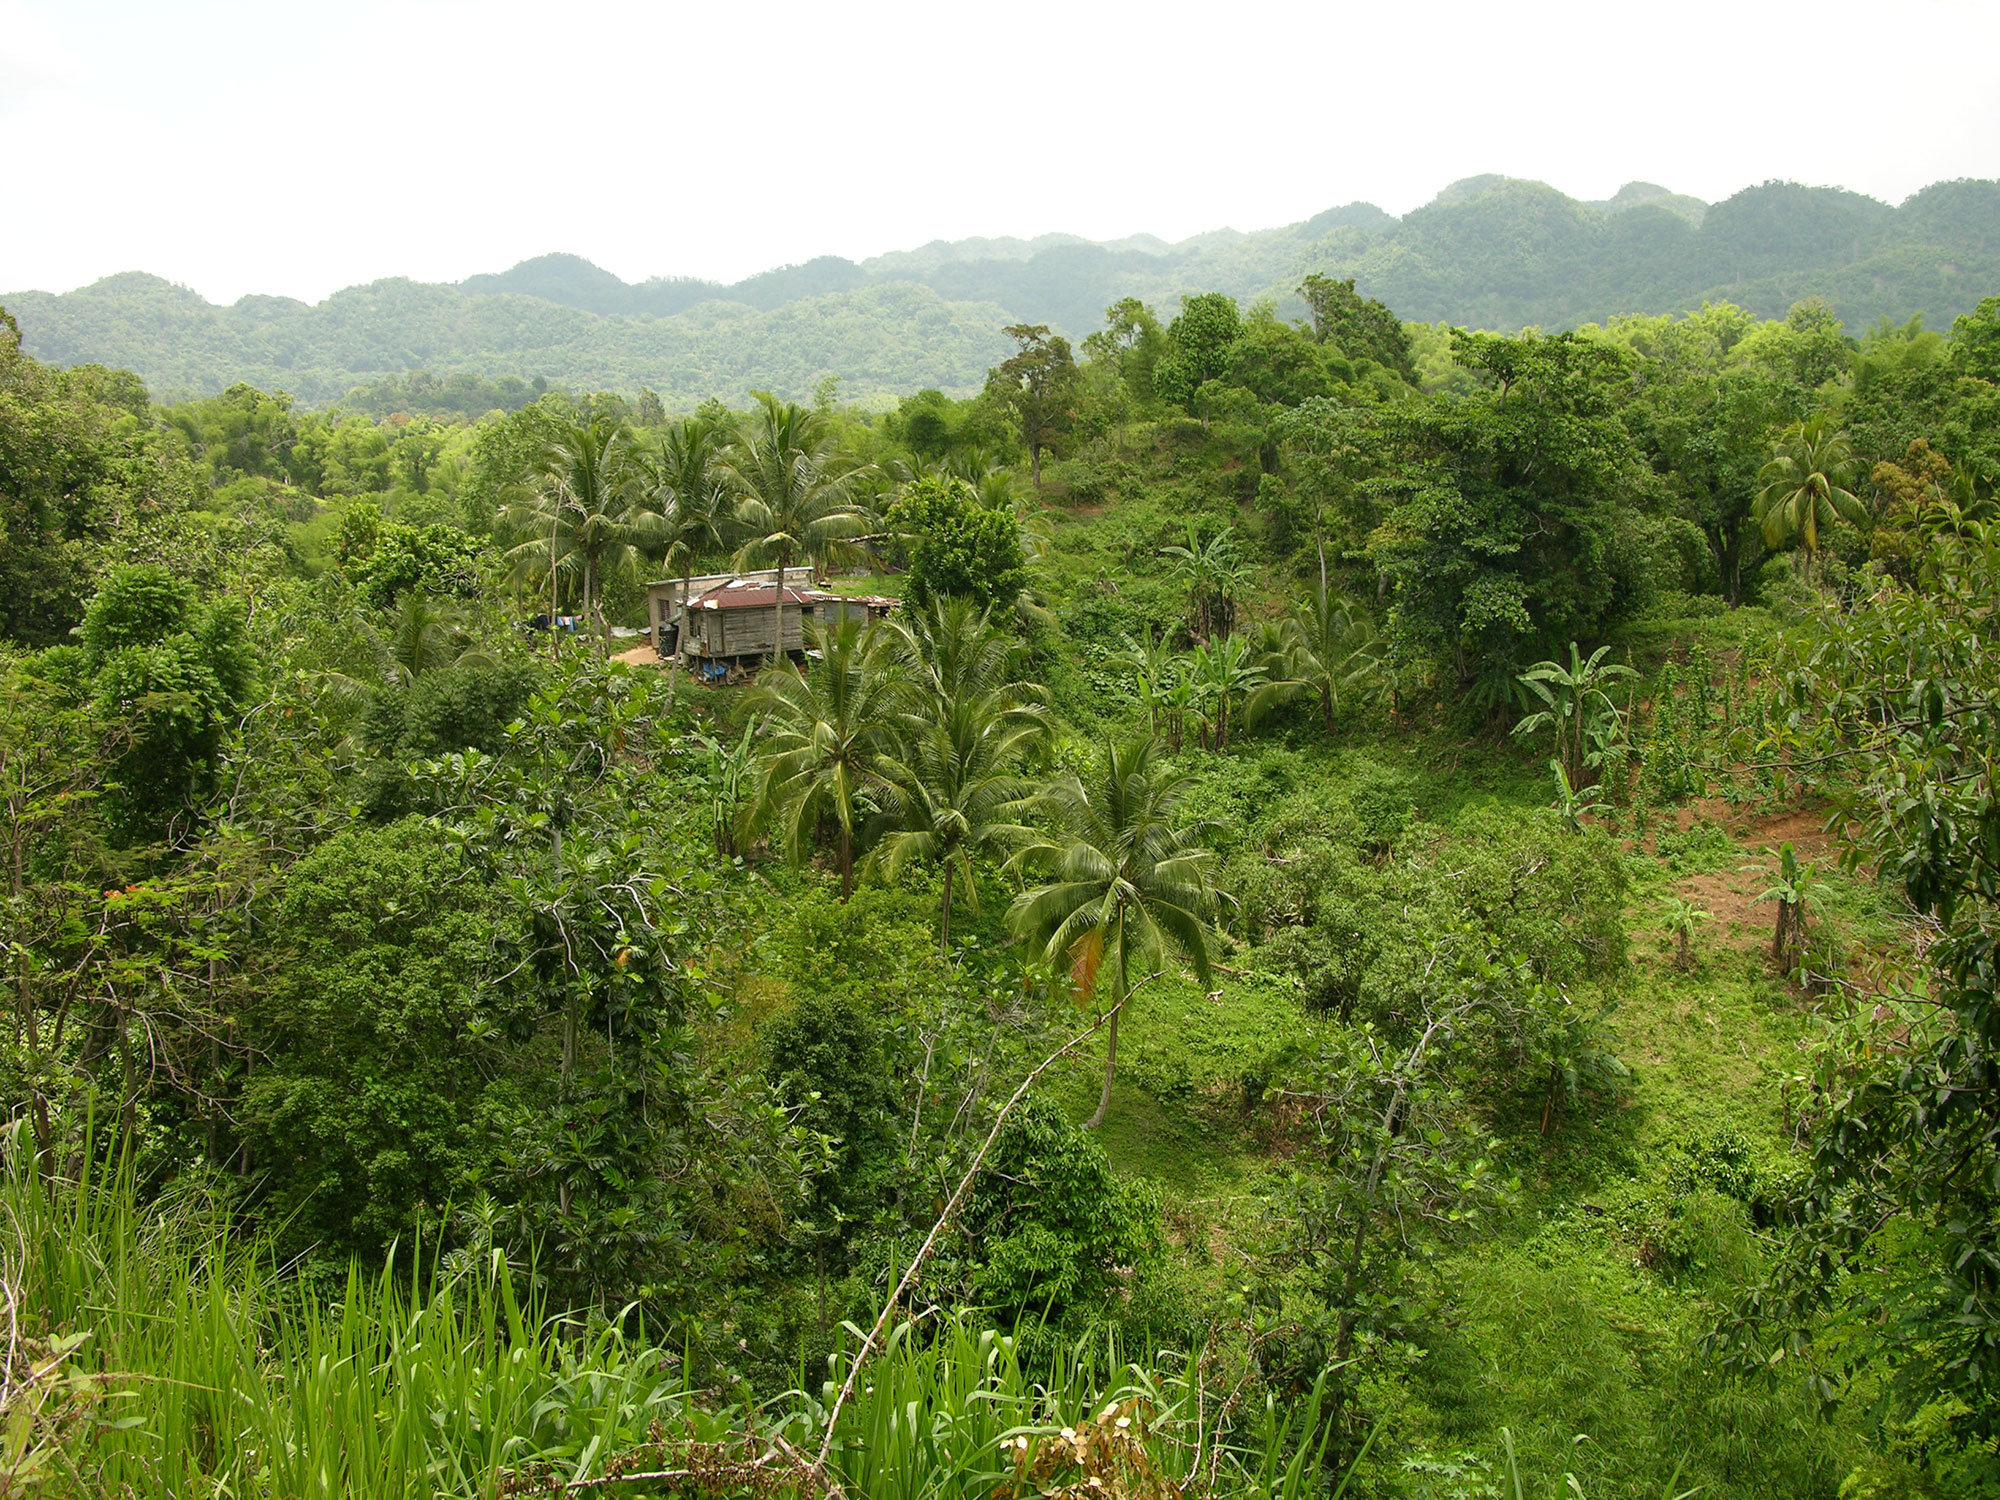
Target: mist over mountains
(1489, 252)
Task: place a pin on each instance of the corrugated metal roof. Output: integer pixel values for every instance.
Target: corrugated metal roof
(742, 594)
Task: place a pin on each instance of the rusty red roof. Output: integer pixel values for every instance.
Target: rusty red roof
(742, 595)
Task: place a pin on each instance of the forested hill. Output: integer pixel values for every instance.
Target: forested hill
(1490, 252)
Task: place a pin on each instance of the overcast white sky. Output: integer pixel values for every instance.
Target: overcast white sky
(294, 149)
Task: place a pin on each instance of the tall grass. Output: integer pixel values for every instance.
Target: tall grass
(148, 1353)
(961, 1415)
(202, 1369)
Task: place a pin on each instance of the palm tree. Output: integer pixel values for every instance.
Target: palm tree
(1805, 488)
(698, 512)
(427, 634)
(1126, 880)
(825, 729)
(794, 489)
(1324, 649)
(588, 502)
(955, 649)
(952, 784)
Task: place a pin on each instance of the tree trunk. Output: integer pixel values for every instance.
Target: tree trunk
(17, 887)
(590, 610)
(1110, 1068)
(680, 634)
(1035, 463)
(28, 1020)
(1351, 1281)
(128, 1111)
(1729, 566)
(1785, 938)
(569, 1027)
(780, 642)
(944, 915)
(555, 632)
(846, 863)
(1111, 1041)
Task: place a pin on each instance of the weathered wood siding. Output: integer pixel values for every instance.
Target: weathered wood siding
(746, 632)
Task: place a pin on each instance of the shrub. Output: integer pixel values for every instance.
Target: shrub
(824, 1056)
(1052, 1229)
(368, 1112)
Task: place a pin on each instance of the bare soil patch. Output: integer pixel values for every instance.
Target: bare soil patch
(1730, 896)
(1803, 827)
(642, 655)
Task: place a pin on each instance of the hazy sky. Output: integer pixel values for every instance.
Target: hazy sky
(294, 149)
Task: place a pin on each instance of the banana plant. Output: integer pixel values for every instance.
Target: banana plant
(1793, 892)
(1226, 671)
(1154, 664)
(1683, 916)
(1577, 708)
(728, 770)
(1572, 801)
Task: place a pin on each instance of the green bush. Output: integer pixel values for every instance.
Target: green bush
(825, 1058)
(176, 671)
(438, 713)
(1702, 848)
(1050, 1230)
(374, 1104)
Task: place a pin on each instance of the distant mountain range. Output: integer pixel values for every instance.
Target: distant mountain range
(1489, 252)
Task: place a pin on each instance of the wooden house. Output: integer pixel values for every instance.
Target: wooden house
(664, 600)
(732, 619)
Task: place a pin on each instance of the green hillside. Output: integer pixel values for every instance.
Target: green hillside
(1489, 252)
(877, 338)
(1387, 916)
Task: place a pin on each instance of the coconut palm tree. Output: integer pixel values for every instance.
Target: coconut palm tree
(585, 516)
(1127, 879)
(794, 489)
(427, 633)
(1324, 650)
(953, 784)
(684, 473)
(825, 728)
(1805, 488)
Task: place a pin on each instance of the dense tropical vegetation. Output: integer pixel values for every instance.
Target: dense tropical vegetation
(1395, 912)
